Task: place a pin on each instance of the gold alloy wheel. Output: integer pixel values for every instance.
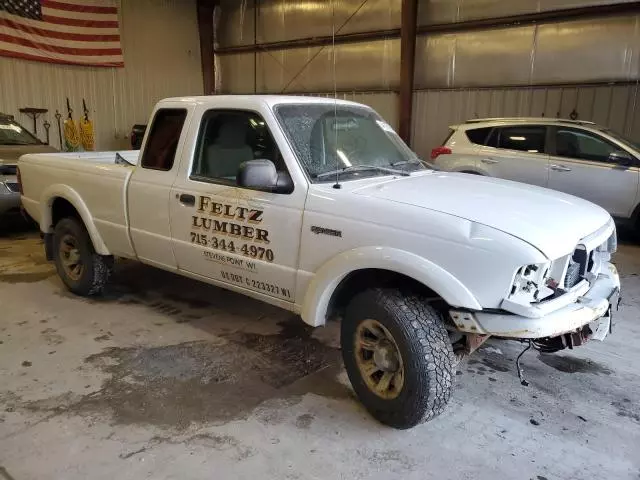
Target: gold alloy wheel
(70, 257)
(379, 359)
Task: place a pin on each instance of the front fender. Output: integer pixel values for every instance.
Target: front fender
(329, 276)
(69, 194)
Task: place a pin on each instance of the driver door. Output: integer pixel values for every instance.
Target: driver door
(242, 237)
(580, 165)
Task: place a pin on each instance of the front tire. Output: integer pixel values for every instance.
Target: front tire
(398, 356)
(81, 269)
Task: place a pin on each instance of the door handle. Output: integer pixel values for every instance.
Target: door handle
(489, 161)
(187, 199)
(560, 168)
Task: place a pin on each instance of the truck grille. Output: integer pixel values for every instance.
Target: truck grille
(573, 274)
(584, 263)
(14, 187)
(580, 264)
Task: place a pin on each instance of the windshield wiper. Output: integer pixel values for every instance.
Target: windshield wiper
(362, 168)
(415, 161)
(406, 162)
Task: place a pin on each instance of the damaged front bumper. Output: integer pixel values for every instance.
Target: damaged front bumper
(592, 307)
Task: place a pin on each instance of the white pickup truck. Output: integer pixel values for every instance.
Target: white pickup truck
(318, 207)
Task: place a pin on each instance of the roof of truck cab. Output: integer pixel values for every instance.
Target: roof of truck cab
(270, 100)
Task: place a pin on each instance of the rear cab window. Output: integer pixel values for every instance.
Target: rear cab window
(160, 149)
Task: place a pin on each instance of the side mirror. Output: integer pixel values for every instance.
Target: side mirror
(620, 158)
(262, 175)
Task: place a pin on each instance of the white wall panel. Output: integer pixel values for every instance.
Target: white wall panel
(613, 106)
(358, 66)
(162, 59)
(582, 51)
(587, 51)
(281, 20)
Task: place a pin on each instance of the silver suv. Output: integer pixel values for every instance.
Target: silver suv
(572, 156)
(15, 141)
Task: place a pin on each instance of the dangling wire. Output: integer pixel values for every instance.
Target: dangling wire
(520, 371)
(335, 91)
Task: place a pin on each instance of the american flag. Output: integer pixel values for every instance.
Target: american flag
(79, 32)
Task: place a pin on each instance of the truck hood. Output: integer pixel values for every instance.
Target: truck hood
(551, 221)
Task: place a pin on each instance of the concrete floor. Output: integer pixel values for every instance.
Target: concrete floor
(167, 378)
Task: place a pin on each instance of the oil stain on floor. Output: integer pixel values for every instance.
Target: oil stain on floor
(573, 364)
(203, 382)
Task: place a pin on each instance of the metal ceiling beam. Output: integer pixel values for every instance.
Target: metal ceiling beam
(408, 28)
(526, 19)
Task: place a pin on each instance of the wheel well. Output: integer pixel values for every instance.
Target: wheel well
(635, 216)
(361, 280)
(62, 208)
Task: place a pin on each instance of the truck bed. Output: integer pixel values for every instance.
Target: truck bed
(130, 156)
(93, 181)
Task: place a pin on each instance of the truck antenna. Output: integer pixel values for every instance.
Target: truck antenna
(335, 92)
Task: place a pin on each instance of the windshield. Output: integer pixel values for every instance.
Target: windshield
(349, 141)
(11, 133)
(632, 143)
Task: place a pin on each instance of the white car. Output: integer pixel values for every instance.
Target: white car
(576, 157)
(318, 207)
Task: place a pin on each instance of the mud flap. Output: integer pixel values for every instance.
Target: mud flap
(48, 246)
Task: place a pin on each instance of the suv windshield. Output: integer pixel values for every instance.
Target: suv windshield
(344, 140)
(633, 144)
(12, 133)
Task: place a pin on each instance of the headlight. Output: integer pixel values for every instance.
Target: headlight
(610, 245)
(530, 284)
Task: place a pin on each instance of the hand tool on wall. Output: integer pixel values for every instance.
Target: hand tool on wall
(46, 126)
(86, 129)
(33, 113)
(71, 136)
(58, 116)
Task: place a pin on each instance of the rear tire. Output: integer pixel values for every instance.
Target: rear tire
(416, 386)
(81, 269)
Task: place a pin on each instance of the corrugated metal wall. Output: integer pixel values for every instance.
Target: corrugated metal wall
(279, 20)
(162, 59)
(584, 51)
(490, 72)
(434, 12)
(570, 52)
(363, 66)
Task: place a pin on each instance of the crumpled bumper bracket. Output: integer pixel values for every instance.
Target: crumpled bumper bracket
(593, 305)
